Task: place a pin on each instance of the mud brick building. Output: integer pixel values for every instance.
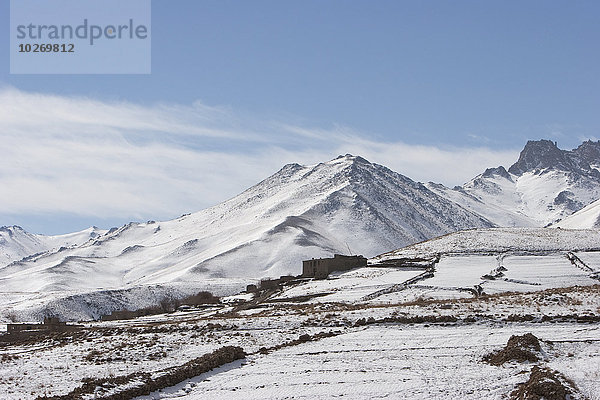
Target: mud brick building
(320, 268)
(49, 325)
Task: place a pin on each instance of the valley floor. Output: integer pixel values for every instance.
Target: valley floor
(417, 349)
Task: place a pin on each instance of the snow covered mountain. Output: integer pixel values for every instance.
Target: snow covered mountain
(344, 205)
(544, 186)
(586, 218)
(16, 243)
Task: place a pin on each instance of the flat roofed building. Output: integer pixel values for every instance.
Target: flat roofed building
(320, 268)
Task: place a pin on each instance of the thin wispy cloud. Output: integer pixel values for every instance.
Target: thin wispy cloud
(88, 157)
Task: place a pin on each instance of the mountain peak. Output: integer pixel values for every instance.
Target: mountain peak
(589, 152)
(544, 154)
(11, 229)
(543, 186)
(499, 171)
(539, 154)
(351, 158)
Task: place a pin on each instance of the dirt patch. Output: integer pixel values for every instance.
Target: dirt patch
(545, 384)
(7, 357)
(518, 348)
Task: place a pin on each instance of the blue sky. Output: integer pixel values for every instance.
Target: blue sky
(300, 81)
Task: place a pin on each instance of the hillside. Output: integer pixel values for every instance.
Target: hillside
(500, 240)
(345, 205)
(16, 243)
(586, 218)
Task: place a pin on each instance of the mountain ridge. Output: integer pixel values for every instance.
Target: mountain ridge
(545, 185)
(345, 204)
(16, 243)
(545, 154)
(313, 201)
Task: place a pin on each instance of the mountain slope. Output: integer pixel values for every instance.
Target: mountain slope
(498, 241)
(586, 218)
(16, 243)
(545, 185)
(346, 204)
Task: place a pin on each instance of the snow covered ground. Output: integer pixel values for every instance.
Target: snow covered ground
(388, 361)
(377, 331)
(500, 240)
(427, 349)
(454, 276)
(84, 305)
(586, 218)
(349, 286)
(527, 273)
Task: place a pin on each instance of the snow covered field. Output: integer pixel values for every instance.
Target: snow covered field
(527, 273)
(424, 349)
(350, 286)
(499, 240)
(388, 361)
(591, 259)
(386, 330)
(461, 271)
(454, 276)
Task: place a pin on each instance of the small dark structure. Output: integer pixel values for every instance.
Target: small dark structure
(251, 288)
(123, 314)
(50, 325)
(270, 284)
(320, 268)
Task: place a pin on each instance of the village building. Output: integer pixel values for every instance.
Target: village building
(270, 284)
(50, 325)
(320, 268)
(251, 288)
